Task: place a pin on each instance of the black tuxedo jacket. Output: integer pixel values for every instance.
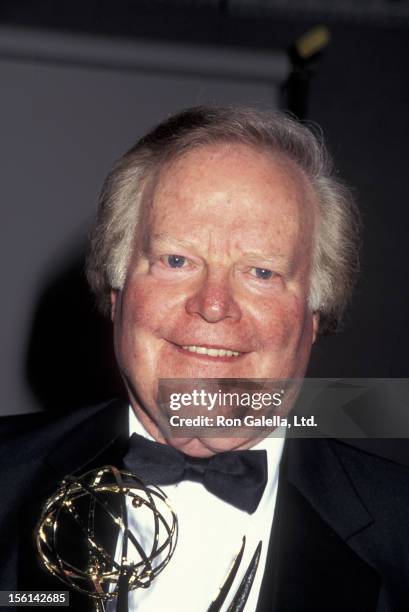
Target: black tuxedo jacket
(340, 534)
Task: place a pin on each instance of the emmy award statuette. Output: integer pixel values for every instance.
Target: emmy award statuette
(72, 541)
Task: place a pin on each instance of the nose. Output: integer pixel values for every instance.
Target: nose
(213, 300)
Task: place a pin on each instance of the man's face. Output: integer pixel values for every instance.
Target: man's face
(218, 283)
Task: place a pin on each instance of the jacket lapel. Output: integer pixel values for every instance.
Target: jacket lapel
(102, 438)
(310, 565)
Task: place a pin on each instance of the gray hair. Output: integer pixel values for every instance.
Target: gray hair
(336, 242)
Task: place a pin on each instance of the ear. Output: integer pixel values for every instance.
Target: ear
(114, 298)
(315, 325)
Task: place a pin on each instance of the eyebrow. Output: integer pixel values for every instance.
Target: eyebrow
(173, 241)
(187, 244)
(270, 257)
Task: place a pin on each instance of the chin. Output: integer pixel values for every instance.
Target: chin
(206, 447)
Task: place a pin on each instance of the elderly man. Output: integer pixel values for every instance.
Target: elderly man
(223, 247)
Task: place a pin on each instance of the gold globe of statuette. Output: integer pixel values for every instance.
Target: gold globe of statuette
(82, 522)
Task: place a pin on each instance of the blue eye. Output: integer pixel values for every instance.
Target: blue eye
(263, 273)
(176, 261)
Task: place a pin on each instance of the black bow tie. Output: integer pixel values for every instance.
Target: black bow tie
(237, 477)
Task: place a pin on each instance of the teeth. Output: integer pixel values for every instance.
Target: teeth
(202, 350)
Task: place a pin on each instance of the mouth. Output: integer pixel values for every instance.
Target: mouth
(218, 353)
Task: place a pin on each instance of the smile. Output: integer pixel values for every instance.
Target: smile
(212, 352)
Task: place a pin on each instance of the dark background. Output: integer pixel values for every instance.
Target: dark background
(358, 94)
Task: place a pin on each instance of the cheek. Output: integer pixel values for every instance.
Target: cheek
(281, 324)
(286, 342)
(143, 307)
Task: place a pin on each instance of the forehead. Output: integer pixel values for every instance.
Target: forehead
(229, 189)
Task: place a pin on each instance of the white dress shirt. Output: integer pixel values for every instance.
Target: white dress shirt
(210, 536)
